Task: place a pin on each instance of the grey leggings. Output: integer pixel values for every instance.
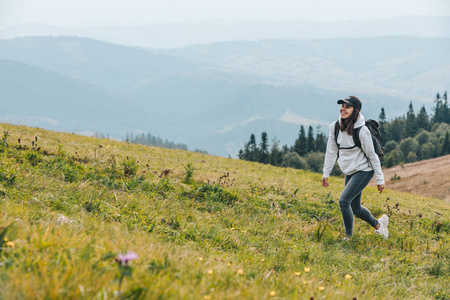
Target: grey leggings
(350, 200)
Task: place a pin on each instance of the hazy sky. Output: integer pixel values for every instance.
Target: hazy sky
(77, 13)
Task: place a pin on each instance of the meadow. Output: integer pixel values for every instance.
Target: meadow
(196, 226)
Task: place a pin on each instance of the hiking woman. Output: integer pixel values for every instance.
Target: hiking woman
(357, 163)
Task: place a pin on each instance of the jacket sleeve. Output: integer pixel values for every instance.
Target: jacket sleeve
(331, 154)
(368, 148)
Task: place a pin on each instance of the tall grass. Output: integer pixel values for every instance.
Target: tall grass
(203, 227)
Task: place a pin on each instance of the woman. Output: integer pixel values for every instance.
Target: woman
(358, 165)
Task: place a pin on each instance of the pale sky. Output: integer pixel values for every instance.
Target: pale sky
(81, 13)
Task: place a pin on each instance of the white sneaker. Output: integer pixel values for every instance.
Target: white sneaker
(383, 230)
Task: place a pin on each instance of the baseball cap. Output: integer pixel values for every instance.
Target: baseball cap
(351, 101)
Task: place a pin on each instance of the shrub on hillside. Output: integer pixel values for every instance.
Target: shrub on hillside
(390, 146)
(293, 160)
(315, 161)
(423, 137)
(393, 158)
(412, 157)
(439, 129)
(408, 145)
(427, 151)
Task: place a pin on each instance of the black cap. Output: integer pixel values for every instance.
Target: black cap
(351, 101)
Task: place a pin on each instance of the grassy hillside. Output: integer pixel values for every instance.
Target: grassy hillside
(428, 178)
(203, 227)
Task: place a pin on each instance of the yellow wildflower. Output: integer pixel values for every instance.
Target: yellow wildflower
(297, 273)
(200, 258)
(321, 288)
(348, 276)
(10, 244)
(272, 294)
(306, 269)
(240, 272)
(210, 272)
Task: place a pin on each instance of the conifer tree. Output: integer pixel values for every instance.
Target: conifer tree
(264, 149)
(321, 141)
(446, 111)
(423, 122)
(396, 129)
(411, 123)
(252, 148)
(241, 154)
(285, 150)
(310, 140)
(245, 154)
(441, 109)
(437, 109)
(382, 124)
(446, 145)
(382, 117)
(300, 145)
(275, 155)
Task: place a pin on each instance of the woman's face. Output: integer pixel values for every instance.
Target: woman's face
(346, 111)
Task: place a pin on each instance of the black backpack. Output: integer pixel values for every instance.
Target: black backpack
(372, 125)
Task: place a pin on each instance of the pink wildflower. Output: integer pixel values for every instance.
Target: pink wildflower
(125, 258)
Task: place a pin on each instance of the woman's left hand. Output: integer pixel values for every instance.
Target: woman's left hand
(381, 187)
(325, 182)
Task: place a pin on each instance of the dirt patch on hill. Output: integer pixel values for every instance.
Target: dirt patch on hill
(428, 178)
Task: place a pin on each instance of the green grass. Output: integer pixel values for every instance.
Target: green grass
(204, 227)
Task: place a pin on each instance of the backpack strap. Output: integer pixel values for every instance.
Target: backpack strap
(356, 139)
(336, 132)
(337, 129)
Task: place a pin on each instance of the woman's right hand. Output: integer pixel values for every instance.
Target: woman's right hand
(325, 182)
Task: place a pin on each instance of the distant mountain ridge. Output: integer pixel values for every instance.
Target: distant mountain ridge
(105, 64)
(405, 67)
(34, 96)
(212, 97)
(174, 35)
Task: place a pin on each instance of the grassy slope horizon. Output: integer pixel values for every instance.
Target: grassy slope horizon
(203, 227)
(427, 178)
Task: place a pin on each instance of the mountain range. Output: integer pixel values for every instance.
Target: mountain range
(176, 35)
(212, 97)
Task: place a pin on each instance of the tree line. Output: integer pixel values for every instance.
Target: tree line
(408, 138)
(417, 136)
(151, 140)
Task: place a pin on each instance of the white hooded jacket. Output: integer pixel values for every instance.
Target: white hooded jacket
(356, 159)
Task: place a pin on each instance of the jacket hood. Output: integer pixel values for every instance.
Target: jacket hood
(359, 123)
